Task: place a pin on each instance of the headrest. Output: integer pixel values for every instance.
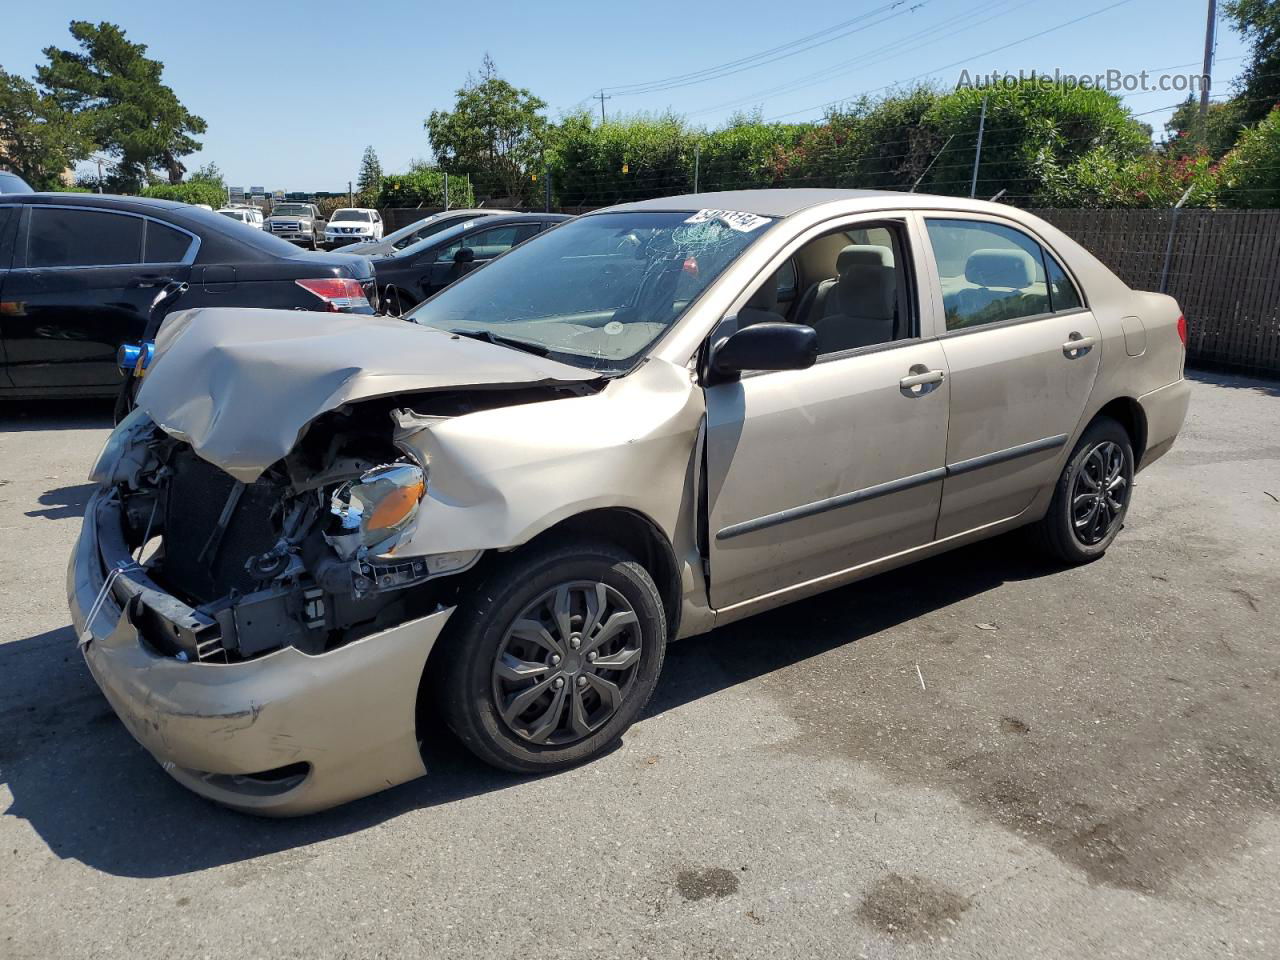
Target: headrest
(766, 297)
(863, 253)
(866, 291)
(1000, 268)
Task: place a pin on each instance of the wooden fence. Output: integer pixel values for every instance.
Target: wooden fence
(1224, 271)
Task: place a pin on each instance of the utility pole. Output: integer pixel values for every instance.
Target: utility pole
(697, 157)
(977, 153)
(602, 98)
(351, 197)
(1210, 35)
(446, 190)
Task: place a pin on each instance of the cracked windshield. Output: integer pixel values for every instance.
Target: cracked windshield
(599, 290)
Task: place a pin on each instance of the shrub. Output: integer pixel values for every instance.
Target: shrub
(193, 191)
(423, 187)
(1250, 174)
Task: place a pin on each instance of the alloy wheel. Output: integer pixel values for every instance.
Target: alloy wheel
(567, 663)
(1099, 493)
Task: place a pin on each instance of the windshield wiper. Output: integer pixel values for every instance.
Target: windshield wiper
(488, 336)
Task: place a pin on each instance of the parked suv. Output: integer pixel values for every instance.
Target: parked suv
(251, 216)
(299, 223)
(79, 274)
(351, 224)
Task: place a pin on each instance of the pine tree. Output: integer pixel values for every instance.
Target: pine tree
(370, 178)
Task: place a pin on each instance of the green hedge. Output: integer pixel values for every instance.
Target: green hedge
(423, 188)
(193, 191)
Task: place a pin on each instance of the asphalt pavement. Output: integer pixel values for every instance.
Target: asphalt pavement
(981, 756)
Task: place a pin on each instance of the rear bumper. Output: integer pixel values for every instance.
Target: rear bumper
(281, 735)
(1165, 410)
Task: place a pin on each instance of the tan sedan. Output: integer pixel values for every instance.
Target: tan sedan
(320, 538)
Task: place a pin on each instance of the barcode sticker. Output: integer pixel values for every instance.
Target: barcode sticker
(733, 219)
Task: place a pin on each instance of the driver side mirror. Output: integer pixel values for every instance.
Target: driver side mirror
(770, 345)
(465, 255)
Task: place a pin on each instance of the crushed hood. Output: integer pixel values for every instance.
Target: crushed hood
(240, 385)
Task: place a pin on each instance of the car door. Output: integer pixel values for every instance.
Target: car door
(8, 232)
(1022, 348)
(485, 243)
(813, 473)
(79, 289)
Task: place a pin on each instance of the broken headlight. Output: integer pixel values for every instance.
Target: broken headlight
(374, 512)
(117, 445)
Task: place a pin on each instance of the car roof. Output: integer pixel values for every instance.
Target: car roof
(784, 202)
(108, 201)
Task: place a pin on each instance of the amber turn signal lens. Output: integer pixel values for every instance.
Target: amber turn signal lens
(395, 507)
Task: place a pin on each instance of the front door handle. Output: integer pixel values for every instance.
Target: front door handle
(1077, 346)
(921, 380)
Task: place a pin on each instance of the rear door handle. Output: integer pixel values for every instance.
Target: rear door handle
(1077, 346)
(148, 280)
(916, 384)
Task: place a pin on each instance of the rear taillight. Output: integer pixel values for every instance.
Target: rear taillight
(1182, 329)
(337, 293)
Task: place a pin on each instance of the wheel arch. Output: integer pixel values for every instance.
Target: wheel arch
(1129, 414)
(634, 532)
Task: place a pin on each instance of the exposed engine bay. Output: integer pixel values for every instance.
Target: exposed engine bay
(303, 556)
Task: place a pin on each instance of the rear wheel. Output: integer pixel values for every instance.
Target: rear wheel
(552, 658)
(1092, 495)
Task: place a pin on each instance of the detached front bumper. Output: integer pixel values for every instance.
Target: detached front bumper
(281, 735)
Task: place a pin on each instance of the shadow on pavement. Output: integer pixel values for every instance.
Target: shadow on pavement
(64, 502)
(93, 795)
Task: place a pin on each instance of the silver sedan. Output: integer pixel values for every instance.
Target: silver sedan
(320, 540)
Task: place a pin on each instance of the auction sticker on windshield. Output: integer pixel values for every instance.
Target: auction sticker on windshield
(734, 219)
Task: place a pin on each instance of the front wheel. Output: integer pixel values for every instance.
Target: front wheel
(1092, 495)
(552, 658)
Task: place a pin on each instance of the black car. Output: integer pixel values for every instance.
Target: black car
(79, 274)
(12, 183)
(418, 230)
(409, 276)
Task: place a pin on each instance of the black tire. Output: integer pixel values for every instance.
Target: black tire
(464, 681)
(125, 400)
(1059, 532)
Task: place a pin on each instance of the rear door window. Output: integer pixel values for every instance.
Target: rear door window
(988, 272)
(8, 227)
(67, 237)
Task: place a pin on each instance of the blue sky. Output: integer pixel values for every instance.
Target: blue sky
(293, 92)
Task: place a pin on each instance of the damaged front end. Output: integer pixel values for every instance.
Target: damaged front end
(304, 556)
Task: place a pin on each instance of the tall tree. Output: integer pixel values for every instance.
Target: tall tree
(494, 132)
(118, 89)
(1223, 123)
(1259, 86)
(38, 139)
(370, 177)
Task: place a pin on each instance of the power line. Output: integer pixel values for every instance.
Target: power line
(893, 9)
(1004, 46)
